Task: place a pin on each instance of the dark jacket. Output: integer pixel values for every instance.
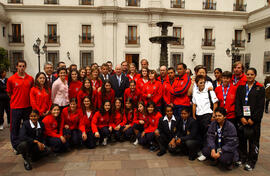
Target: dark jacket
(29, 134)
(229, 139)
(3, 92)
(191, 130)
(102, 78)
(119, 90)
(255, 101)
(163, 127)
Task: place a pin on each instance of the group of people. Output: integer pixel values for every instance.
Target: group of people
(175, 112)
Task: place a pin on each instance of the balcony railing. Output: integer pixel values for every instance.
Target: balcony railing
(15, 39)
(51, 1)
(180, 41)
(177, 4)
(239, 43)
(208, 42)
(239, 7)
(86, 40)
(209, 5)
(132, 40)
(15, 1)
(86, 2)
(54, 39)
(134, 3)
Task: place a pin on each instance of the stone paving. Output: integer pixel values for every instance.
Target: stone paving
(124, 159)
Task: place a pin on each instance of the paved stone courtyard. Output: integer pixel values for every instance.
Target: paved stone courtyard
(124, 159)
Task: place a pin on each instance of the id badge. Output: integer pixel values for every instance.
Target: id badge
(246, 110)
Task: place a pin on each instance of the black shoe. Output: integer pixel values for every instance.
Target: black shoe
(192, 158)
(160, 153)
(229, 167)
(153, 148)
(27, 165)
(266, 111)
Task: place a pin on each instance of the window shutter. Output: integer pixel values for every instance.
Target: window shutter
(212, 62)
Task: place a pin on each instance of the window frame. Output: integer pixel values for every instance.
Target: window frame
(212, 62)
(82, 52)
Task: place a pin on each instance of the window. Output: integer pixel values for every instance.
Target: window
(86, 58)
(15, 1)
(176, 58)
(177, 4)
(52, 34)
(16, 36)
(246, 61)
(132, 35)
(208, 62)
(86, 2)
(132, 2)
(4, 31)
(266, 66)
(267, 33)
(51, 1)
(208, 41)
(209, 4)
(249, 37)
(239, 5)
(238, 42)
(86, 34)
(177, 32)
(53, 56)
(14, 57)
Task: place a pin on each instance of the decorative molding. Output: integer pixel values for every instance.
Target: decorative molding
(3, 17)
(257, 24)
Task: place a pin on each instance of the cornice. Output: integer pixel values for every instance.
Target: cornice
(3, 16)
(123, 10)
(258, 23)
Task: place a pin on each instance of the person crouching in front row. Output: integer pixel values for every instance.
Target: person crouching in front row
(32, 145)
(222, 140)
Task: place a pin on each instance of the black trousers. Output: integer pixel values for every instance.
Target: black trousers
(163, 141)
(250, 156)
(225, 158)
(57, 145)
(29, 151)
(17, 115)
(189, 147)
(90, 141)
(75, 136)
(204, 122)
(4, 106)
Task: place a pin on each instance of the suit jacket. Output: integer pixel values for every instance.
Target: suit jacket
(102, 78)
(163, 127)
(3, 91)
(29, 134)
(191, 131)
(119, 90)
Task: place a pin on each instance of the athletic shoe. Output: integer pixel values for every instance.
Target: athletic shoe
(201, 157)
(1, 127)
(238, 163)
(104, 141)
(27, 165)
(248, 167)
(136, 142)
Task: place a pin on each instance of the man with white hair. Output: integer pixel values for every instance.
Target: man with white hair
(119, 82)
(163, 74)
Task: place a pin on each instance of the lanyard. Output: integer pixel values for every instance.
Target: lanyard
(225, 94)
(219, 136)
(235, 80)
(247, 92)
(184, 125)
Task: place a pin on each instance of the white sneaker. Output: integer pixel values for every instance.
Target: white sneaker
(1, 127)
(136, 142)
(104, 141)
(201, 157)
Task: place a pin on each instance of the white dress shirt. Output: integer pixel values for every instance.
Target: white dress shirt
(169, 121)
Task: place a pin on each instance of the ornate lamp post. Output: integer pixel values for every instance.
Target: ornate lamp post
(234, 53)
(37, 50)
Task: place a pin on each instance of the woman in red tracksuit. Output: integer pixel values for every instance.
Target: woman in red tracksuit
(152, 91)
(87, 113)
(128, 121)
(87, 90)
(100, 122)
(74, 85)
(116, 122)
(73, 124)
(140, 120)
(132, 93)
(147, 137)
(40, 95)
(106, 93)
(142, 80)
(132, 74)
(95, 80)
(54, 130)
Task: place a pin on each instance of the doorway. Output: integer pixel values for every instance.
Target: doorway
(133, 58)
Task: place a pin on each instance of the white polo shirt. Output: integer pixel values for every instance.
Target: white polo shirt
(201, 99)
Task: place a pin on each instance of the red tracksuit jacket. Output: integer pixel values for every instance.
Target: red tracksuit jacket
(152, 124)
(73, 120)
(82, 94)
(51, 129)
(110, 97)
(40, 100)
(242, 80)
(128, 119)
(135, 96)
(167, 88)
(73, 89)
(140, 116)
(162, 81)
(140, 85)
(117, 119)
(100, 121)
(179, 90)
(155, 89)
(136, 77)
(96, 83)
(87, 121)
(230, 99)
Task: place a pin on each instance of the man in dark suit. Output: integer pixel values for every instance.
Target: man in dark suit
(48, 69)
(167, 130)
(187, 139)
(119, 82)
(104, 75)
(4, 99)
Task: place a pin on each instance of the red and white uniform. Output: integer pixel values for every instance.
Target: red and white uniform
(73, 120)
(136, 77)
(73, 89)
(155, 90)
(40, 100)
(87, 120)
(81, 94)
(117, 119)
(100, 121)
(140, 85)
(51, 127)
(129, 118)
(96, 83)
(135, 96)
(108, 96)
(240, 81)
(152, 124)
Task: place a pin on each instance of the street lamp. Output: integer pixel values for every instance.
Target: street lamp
(233, 52)
(37, 50)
